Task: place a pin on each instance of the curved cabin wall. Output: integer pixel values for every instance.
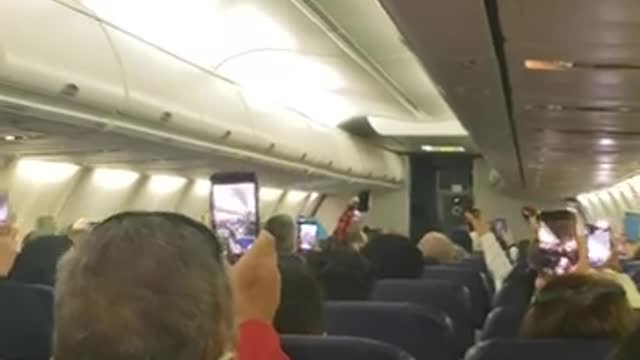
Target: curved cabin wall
(57, 55)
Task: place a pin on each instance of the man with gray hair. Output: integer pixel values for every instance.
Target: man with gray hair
(285, 230)
(156, 286)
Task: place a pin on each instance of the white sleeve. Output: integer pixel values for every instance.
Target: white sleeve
(495, 258)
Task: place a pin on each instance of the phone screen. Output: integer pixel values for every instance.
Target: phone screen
(599, 243)
(364, 201)
(557, 256)
(4, 208)
(632, 226)
(500, 228)
(234, 210)
(308, 236)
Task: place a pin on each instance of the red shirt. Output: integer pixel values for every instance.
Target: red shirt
(259, 341)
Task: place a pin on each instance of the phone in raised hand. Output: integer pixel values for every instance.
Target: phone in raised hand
(234, 210)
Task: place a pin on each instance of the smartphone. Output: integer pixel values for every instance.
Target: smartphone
(599, 244)
(234, 210)
(4, 208)
(632, 226)
(364, 201)
(557, 242)
(500, 228)
(308, 235)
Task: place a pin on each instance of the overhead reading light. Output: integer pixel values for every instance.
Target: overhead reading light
(10, 138)
(606, 142)
(546, 65)
(46, 171)
(166, 183)
(445, 148)
(114, 178)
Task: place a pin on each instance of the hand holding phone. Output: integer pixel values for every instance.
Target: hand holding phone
(599, 244)
(234, 210)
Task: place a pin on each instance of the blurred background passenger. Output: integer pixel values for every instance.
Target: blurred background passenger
(285, 230)
(461, 238)
(393, 256)
(579, 306)
(343, 274)
(37, 261)
(9, 245)
(45, 226)
(437, 248)
(300, 310)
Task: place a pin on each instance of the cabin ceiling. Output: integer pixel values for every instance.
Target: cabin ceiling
(573, 118)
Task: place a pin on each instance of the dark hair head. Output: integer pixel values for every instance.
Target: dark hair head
(579, 306)
(393, 256)
(343, 274)
(300, 310)
(36, 263)
(462, 238)
(284, 229)
(142, 286)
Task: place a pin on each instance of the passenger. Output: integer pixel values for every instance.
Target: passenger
(45, 226)
(579, 306)
(494, 256)
(347, 221)
(285, 230)
(343, 274)
(37, 262)
(80, 230)
(461, 238)
(155, 286)
(437, 248)
(394, 257)
(300, 310)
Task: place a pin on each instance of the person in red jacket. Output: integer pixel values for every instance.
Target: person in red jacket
(156, 286)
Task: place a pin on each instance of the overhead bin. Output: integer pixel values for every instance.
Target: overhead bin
(55, 51)
(70, 64)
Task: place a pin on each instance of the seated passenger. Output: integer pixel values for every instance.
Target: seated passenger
(437, 248)
(461, 238)
(45, 226)
(393, 256)
(579, 306)
(155, 286)
(495, 257)
(343, 274)
(301, 309)
(37, 261)
(285, 230)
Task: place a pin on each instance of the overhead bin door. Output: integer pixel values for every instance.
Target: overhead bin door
(54, 50)
(167, 92)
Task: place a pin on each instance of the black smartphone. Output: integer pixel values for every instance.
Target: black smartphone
(4, 208)
(364, 201)
(234, 210)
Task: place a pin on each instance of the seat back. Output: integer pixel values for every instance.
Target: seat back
(471, 280)
(26, 321)
(503, 322)
(555, 349)
(301, 347)
(423, 334)
(444, 296)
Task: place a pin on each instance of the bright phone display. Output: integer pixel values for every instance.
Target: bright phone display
(308, 234)
(632, 226)
(558, 254)
(599, 244)
(234, 210)
(4, 208)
